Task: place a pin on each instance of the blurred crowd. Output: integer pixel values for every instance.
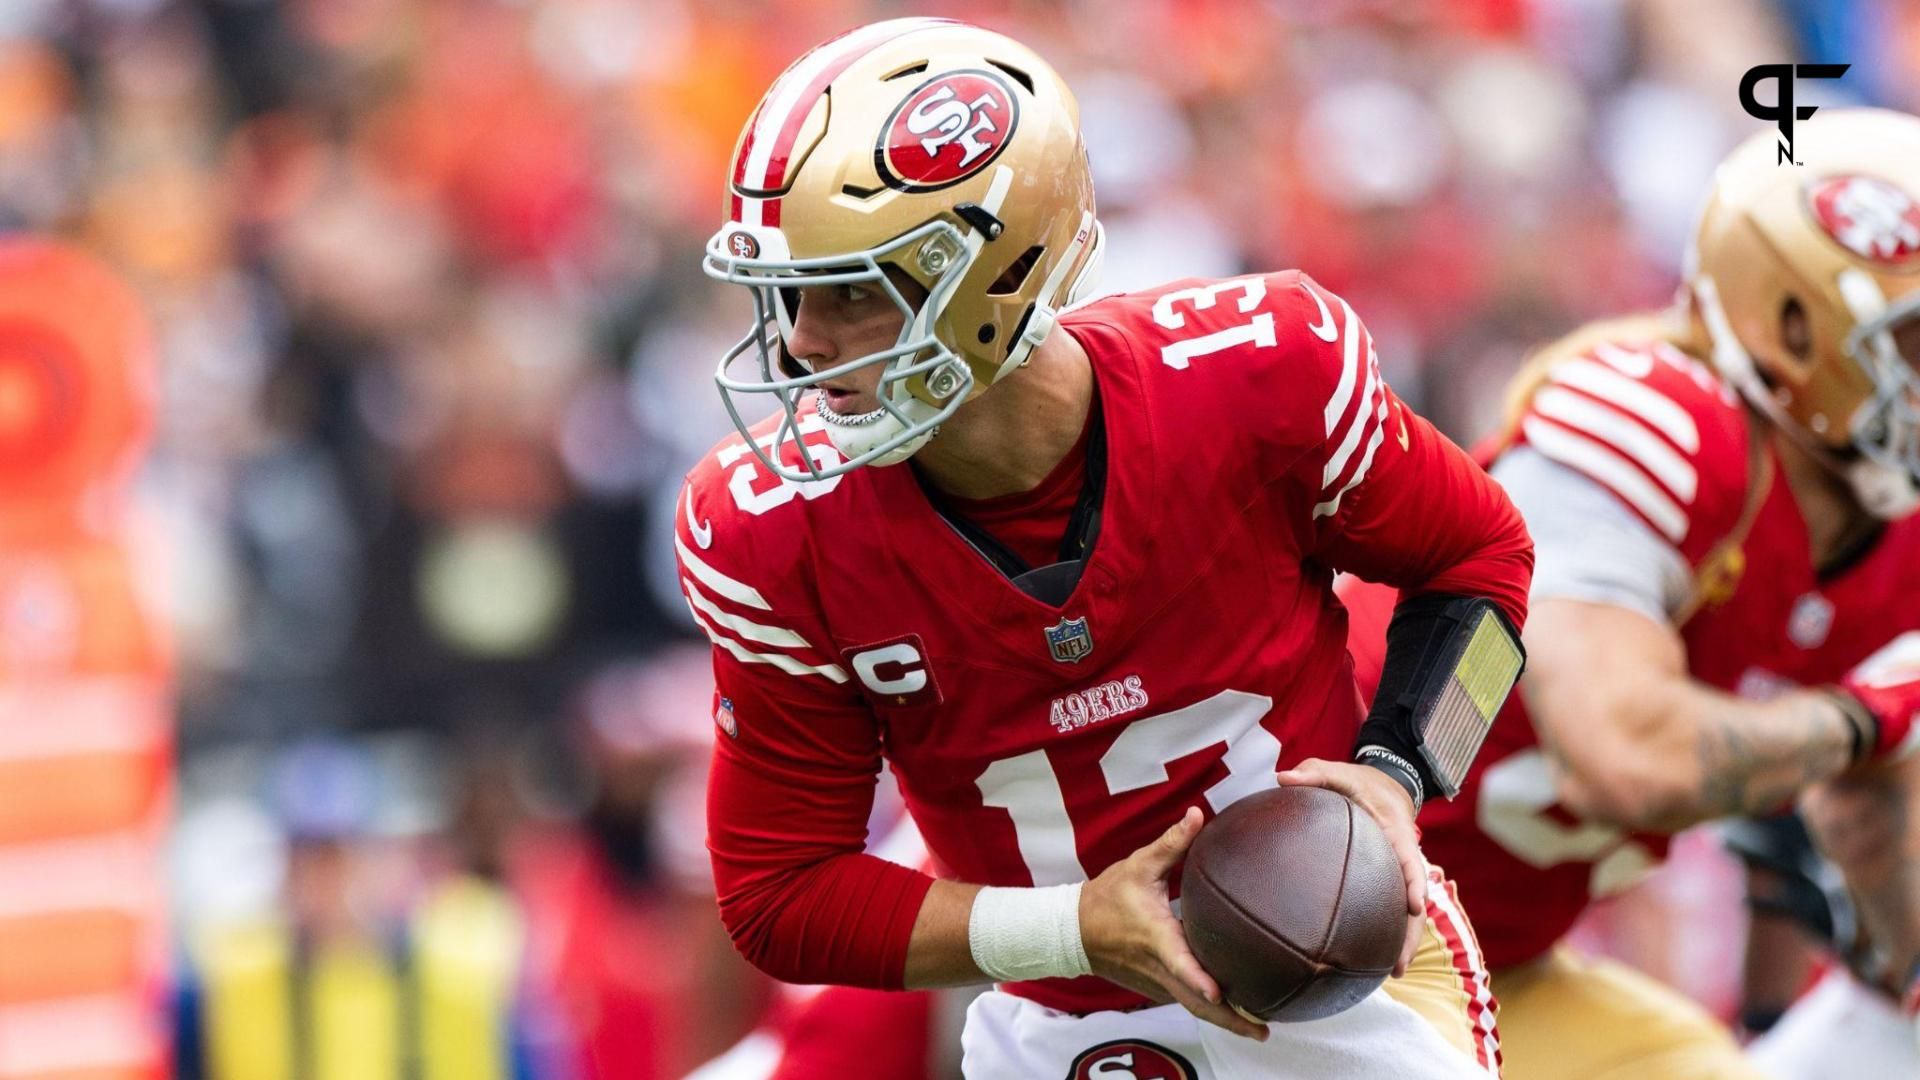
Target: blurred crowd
(435, 353)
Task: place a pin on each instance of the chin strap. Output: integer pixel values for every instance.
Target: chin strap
(1887, 493)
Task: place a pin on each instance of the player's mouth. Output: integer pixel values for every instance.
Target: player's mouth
(848, 408)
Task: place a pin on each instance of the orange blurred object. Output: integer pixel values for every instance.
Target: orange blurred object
(76, 386)
(85, 724)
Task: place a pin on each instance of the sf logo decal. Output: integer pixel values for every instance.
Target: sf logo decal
(947, 129)
(1782, 111)
(1130, 1059)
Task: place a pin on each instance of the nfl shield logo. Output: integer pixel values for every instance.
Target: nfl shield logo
(1069, 640)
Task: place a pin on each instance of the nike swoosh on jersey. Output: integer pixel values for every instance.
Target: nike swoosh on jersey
(1324, 331)
(702, 531)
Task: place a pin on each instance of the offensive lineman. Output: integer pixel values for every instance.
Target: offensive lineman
(1711, 541)
(1095, 606)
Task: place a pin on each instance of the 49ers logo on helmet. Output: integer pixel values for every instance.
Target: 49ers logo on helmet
(1130, 1059)
(948, 129)
(743, 245)
(1869, 217)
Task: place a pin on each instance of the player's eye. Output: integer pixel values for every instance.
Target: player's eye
(854, 293)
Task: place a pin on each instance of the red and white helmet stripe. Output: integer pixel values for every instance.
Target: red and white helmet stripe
(763, 157)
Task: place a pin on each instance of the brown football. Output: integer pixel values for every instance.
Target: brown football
(1294, 903)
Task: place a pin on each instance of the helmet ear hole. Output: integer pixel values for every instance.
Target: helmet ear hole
(1796, 329)
(1015, 275)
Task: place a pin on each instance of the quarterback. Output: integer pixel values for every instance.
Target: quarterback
(1068, 571)
(1726, 601)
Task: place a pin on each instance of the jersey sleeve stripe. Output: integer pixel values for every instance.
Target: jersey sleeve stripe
(832, 672)
(1624, 433)
(776, 636)
(1378, 422)
(1619, 475)
(1659, 411)
(1349, 369)
(1350, 442)
(737, 591)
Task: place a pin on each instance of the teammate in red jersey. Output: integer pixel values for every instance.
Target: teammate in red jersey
(1094, 608)
(1724, 552)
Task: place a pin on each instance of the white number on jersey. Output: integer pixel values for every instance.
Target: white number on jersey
(1514, 796)
(1257, 331)
(1028, 789)
(754, 500)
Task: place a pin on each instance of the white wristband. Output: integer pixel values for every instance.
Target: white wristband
(1020, 934)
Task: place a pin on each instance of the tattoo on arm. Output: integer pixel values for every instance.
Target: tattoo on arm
(1752, 761)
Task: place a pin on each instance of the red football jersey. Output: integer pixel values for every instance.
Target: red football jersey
(1660, 431)
(1252, 449)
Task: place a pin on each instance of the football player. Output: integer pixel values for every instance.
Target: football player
(1724, 606)
(1068, 572)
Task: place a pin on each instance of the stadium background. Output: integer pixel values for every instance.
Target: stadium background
(432, 351)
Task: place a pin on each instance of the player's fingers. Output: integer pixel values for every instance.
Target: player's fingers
(1157, 858)
(1216, 1012)
(1173, 955)
(1416, 930)
(1306, 774)
(1413, 868)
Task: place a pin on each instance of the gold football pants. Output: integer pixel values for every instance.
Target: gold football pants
(1447, 982)
(1572, 1017)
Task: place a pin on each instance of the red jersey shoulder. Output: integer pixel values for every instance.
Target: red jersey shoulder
(1654, 426)
(1274, 355)
(743, 538)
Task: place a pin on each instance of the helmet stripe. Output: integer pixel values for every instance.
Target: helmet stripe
(762, 164)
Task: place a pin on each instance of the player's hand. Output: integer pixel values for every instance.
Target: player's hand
(1888, 685)
(1392, 807)
(1131, 937)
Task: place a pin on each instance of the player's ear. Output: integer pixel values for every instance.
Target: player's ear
(1796, 330)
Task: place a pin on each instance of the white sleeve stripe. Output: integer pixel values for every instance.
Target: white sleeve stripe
(1610, 469)
(1349, 369)
(778, 637)
(1337, 464)
(1624, 433)
(1655, 408)
(1332, 506)
(788, 664)
(1636, 363)
(737, 591)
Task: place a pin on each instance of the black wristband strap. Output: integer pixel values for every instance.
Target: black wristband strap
(1397, 767)
(1861, 723)
(1449, 664)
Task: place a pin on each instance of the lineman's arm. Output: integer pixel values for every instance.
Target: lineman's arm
(1639, 743)
(1636, 741)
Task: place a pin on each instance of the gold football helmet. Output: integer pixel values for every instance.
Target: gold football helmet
(947, 152)
(1806, 280)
